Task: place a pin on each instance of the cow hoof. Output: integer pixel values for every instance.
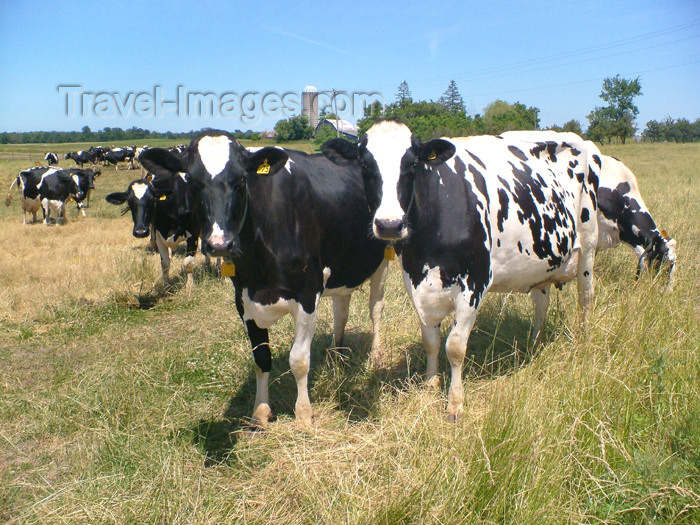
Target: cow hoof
(453, 418)
(261, 415)
(434, 383)
(305, 416)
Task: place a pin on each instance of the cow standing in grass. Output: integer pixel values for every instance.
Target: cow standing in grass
(475, 215)
(296, 227)
(622, 214)
(27, 182)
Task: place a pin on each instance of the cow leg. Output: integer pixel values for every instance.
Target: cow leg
(300, 359)
(585, 282)
(376, 308)
(540, 299)
(456, 350)
(164, 252)
(192, 243)
(260, 343)
(341, 311)
(46, 210)
(431, 343)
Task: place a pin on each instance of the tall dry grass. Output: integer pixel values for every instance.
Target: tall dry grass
(122, 402)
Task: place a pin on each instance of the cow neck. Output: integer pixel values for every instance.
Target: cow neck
(245, 211)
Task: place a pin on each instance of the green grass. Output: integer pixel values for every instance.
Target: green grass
(122, 402)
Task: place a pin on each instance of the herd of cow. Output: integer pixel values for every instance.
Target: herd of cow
(517, 212)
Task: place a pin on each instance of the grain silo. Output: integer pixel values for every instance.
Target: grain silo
(309, 105)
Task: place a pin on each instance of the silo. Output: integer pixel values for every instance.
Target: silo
(309, 105)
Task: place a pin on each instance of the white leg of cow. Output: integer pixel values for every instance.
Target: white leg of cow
(431, 343)
(540, 299)
(585, 282)
(300, 360)
(261, 409)
(456, 350)
(47, 210)
(341, 311)
(189, 268)
(376, 308)
(164, 252)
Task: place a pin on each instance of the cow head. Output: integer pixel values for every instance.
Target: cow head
(219, 170)
(659, 254)
(391, 158)
(140, 197)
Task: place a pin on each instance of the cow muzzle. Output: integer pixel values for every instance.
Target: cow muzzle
(390, 229)
(140, 232)
(220, 244)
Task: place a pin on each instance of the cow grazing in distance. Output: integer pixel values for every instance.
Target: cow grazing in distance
(27, 183)
(474, 215)
(54, 189)
(81, 157)
(166, 206)
(115, 156)
(622, 214)
(51, 159)
(295, 227)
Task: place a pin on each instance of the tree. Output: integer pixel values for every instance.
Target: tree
(500, 116)
(451, 100)
(617, 118)
(404, 94)
(293, 128)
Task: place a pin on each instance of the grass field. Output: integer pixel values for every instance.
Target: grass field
(123, 402)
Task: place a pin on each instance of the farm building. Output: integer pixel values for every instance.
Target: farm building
(347, 129)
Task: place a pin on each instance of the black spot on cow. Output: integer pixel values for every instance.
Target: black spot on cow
(585, 215)
(477, 160)
(502, 215)
(517, 152)
(586, 273)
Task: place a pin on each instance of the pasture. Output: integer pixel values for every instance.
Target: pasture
(122, 401)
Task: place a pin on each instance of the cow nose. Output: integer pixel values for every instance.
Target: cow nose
(79, 195)
(389, 229)
(220, 243)
(140, 233)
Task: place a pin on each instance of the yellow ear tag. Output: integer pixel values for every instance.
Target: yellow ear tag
(264, 168)
(389, 253)
(162, 198)
(664, 234)
(432, 155)
(228, 270)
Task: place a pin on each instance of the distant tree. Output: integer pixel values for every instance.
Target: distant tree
(293, 128)
(404, 93)
(573, 126)
(616, 119)
(500, 116)
(451, 100)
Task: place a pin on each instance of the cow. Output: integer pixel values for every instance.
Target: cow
(291, 227)
(81, 157)
(622, 214)
(54, 189)
(86, 183)
(473, 215)
(51, 158)
(115, 156)
(165, 206)
(27, 183)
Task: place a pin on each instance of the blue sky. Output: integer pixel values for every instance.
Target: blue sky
(551, 55)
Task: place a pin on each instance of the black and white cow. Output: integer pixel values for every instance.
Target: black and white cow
(28, 185)
(115, 156)
(622, 214)
(166, 206)
(86, 183)
(296, 227)
(81, 157)
(474, 215)
(54, 189)
(51, 158)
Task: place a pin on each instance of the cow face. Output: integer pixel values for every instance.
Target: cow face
(391, 158)
(659, 254)
(219, 169)
(141, 198)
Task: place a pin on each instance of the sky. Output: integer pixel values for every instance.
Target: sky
(181, 66)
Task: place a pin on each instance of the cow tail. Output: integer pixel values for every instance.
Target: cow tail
(8, 199)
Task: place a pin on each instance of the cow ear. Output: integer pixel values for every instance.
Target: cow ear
(266, 161)
(118, 198)
(340, 151)
(434, 152)
(162, 162)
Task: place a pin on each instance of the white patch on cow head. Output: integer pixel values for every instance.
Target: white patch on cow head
(183, 175)
(217, 234)
(214, 152)
(388, 141)
(139, 189)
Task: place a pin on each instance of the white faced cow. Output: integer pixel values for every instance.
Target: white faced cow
(475, 215)
(295, 226)
(622, 214)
